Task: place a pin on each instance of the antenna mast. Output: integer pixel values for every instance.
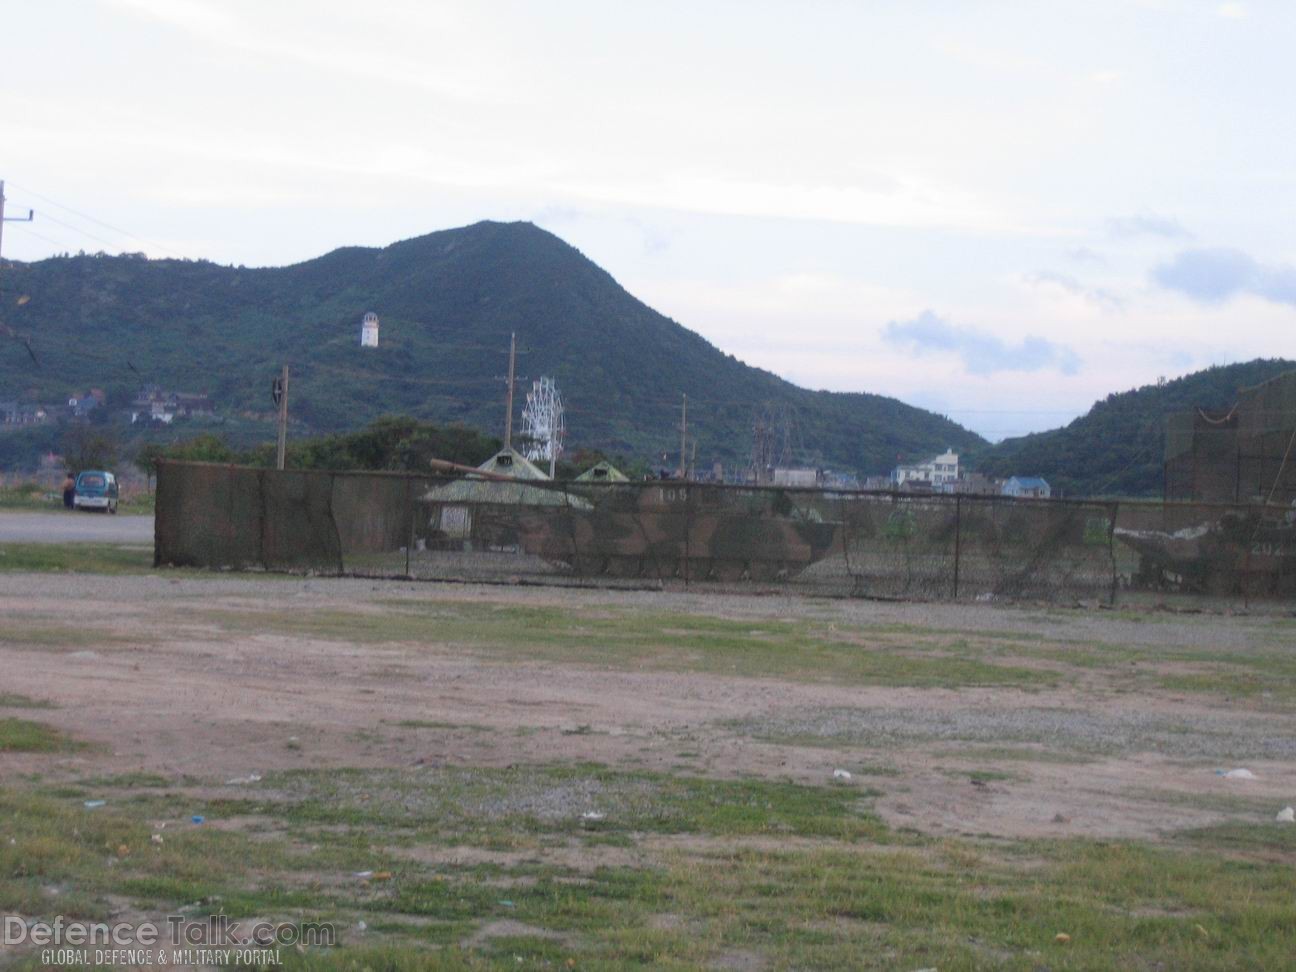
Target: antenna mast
(542, 423)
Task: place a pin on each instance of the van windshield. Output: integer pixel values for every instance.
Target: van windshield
(90, 481)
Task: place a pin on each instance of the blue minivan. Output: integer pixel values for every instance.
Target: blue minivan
(96, 490)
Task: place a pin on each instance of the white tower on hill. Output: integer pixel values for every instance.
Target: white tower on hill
(369, 331)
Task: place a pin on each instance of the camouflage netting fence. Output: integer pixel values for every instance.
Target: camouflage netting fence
(669, 534)
(1242, 456)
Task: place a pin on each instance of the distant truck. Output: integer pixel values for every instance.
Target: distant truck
(96, 489)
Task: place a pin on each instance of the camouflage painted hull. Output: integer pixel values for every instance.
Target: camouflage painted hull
(672, 532)
(1238, 553)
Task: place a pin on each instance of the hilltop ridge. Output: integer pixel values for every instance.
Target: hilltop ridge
(1117, 447)
(448, 302)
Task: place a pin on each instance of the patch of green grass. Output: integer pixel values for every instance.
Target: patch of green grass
(10, 700)
(1235, 682)
(1263, 836)
(552, 800)
(833, 889)
(1264, 670)
(139, 504)
(639, 640)
(1124, 906)
(135, 781)
(28, 496)
(989, 776)
(1210, 791)
(31, 496)
(84, 856)
(975, 753)
(79, 558)
(38, 632)
(22, 736)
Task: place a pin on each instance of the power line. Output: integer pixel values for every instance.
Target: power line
(41, 236)
(78, 229)
(98, 222)
(403, 379)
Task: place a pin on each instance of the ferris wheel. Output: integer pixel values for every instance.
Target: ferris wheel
(542, 422)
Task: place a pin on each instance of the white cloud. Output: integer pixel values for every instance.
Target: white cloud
(191, 15)
(784, 178)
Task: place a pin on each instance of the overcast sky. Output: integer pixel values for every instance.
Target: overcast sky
(998, 210)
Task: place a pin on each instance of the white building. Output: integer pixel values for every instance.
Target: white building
(369, 331)
(938, 470)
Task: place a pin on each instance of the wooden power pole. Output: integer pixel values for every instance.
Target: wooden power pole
(283, 419)
(508, 419)
(683, 467)
(31, 214)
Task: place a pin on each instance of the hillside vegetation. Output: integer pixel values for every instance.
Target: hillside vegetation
(448, 302)
(1116, 448)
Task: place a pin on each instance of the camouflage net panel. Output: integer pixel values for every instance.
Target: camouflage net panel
(1208, 550)
(208, 516)
(1244, 456)
(900, 546)
(1034, 550)
(670, 534)
(299, 529)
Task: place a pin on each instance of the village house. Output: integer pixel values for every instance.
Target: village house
(935, 472)
(82, 405)
(153, 404)
(16, 415)
(976, 484)
(1031, 487)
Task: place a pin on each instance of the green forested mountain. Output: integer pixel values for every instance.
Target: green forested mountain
(447, 303)
(1116, 448)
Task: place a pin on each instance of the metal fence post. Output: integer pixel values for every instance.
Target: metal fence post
(263, 499)
(1111, 550)
(688, 523)
(958, 535)
(409, 515)
(337, 530)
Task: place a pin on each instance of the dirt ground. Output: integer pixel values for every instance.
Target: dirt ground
(135, 665)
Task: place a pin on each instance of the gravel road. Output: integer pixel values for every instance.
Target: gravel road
(1202, 735)
(69, 527)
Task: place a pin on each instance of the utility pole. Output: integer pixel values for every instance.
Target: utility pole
(282, 391)
(683, 466)
(31, 214)
(508, 419)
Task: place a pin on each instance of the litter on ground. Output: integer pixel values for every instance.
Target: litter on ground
(1239, 774)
